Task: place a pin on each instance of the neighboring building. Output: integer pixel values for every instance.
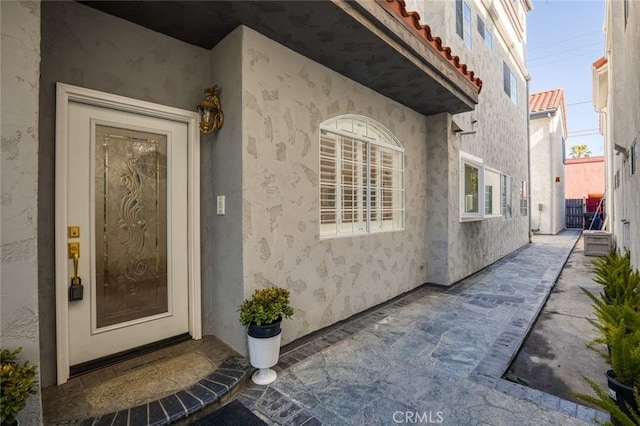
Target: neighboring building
(547, 137)
(351, 167)
(616, 90)
(584, 177)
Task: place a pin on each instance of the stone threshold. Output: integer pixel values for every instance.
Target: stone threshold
(198, 400)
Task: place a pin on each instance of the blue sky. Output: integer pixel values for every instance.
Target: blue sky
(564, 38)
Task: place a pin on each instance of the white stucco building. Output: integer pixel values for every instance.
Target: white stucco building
(354, 164)
(547, 137)
(616, 91)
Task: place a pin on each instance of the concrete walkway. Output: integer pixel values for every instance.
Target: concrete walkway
(434, 355)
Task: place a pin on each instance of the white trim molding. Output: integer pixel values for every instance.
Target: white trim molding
(65, 94)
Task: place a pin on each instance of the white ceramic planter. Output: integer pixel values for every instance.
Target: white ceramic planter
(263, 354)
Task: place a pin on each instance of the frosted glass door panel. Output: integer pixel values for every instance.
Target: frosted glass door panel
(131, 225)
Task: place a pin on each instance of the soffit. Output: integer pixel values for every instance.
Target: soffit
(362, 40)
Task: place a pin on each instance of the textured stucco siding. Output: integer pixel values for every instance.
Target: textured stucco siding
(20, 22)
(500, 141)
(285, 98)
(222, 254)
(87, 48)
(546, 165)
(624, 119)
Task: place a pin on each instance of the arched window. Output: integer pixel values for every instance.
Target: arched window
(361, 177)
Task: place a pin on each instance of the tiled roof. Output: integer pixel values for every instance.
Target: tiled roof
(424, 32)
(543, 101)
(549, 100)
(600, 62)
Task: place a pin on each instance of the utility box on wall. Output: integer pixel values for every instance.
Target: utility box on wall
(596, 243)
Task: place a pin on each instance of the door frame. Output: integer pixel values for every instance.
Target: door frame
(65, 94)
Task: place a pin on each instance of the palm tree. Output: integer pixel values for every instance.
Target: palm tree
(580, 151)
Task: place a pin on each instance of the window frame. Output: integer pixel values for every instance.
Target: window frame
(485, 33)
(370, 141)
(464, 26)
(524, 199)
(506, 202)
(510, 83)
(495, 207)
(634, 157)
(472, 161)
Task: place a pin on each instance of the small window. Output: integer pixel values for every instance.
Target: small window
(472, 204)
(524, 199)
(485, 33)
(616, 179)
(634, 157)
(510, 83)
(463, 21)
(491, 193)
(626, 13)
(505, 196)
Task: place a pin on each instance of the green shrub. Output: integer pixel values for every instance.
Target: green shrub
(604, 402)
(625, 355)
(17, 383)
(266, 306)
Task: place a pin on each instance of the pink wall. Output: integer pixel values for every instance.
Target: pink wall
(584, 176)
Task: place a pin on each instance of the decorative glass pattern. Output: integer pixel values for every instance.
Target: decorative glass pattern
(131, 224)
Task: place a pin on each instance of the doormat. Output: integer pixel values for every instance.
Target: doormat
(232, 414)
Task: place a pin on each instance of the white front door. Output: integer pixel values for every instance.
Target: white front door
(126, 203)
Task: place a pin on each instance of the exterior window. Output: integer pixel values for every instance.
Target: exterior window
(485, 33)
(510, 83)
(524, 199)
(491, 193)
(472, 204)
(626, 13)
(463, 21)
(616, 179)
(634, 157)
(505, 196)
(361, 178)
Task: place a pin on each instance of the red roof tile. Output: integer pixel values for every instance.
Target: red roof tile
(600, 62)
(424, 32)
(543, 101)
(549, 100)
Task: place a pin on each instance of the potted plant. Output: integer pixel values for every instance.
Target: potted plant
(262, 314)
(617, 310)
(17, 383)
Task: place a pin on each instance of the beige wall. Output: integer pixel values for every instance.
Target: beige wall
(547, 165)
(624, 118)
(19, 313)
(500, 140)
(285, 98)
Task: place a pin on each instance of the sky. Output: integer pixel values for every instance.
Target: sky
(564, 38)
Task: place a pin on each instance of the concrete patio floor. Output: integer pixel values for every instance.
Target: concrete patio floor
(434, 355)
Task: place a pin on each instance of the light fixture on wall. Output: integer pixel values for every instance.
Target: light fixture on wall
(210, 111)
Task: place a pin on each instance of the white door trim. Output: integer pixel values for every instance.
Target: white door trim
(66, 93)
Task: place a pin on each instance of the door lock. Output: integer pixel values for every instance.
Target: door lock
(76, 289)
(74, 249)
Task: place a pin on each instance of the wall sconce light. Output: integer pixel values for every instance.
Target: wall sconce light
(210, 111)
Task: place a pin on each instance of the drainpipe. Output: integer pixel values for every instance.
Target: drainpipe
(528, 78)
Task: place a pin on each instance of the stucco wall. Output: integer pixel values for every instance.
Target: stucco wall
(624, 119)
(584, 176)
(20, 46)
(546, 165)
(87, 48)
(285, 98)
(222, 284)
(500, 140)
